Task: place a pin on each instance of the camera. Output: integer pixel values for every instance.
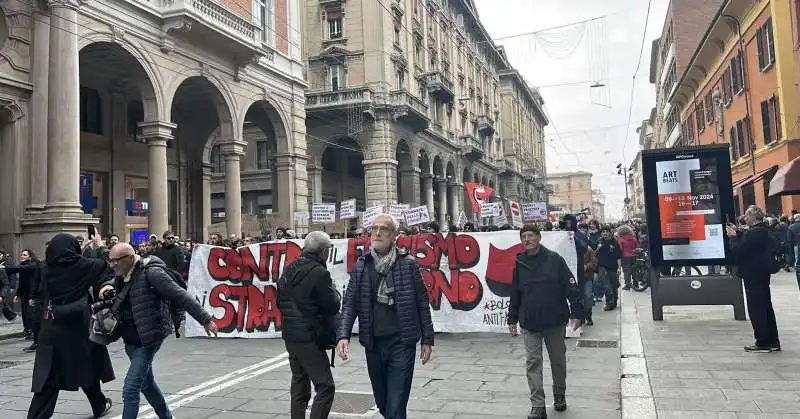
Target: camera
(101, 305)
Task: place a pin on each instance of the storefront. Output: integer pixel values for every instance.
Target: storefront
(751, 182)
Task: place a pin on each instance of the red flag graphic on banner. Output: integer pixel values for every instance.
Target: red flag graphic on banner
(478, 194)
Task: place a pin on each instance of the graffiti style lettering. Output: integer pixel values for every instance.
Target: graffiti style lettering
(255, 311)
(495, 312)
(240, 266)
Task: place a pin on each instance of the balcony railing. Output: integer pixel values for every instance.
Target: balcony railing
(473, 147)
(485, 125)
(409, 106)
(440, 83)
(340, 98)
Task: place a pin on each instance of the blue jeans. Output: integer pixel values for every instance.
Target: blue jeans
(390, 364)
(140, 379)
(599, 287)
(588, 297)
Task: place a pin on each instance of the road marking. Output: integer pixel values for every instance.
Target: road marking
(222, 386)
(229, 376)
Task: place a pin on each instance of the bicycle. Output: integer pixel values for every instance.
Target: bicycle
(640, 270)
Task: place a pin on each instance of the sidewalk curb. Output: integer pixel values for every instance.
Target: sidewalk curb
(635, 389)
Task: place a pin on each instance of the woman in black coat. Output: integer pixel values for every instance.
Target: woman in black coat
(27, 272)
(66, 359)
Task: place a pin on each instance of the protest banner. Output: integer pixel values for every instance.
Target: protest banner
(467, 275)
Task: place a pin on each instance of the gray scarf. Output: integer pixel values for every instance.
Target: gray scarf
(383, 266)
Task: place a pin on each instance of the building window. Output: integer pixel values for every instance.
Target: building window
(741, 133)
(264, 20)
(732, 140)
(766, 45)
(421, 93)
(336, 77)
(727, 95)
(334, 25)
(263, 155)
(399, 79)
(671, 79)
(700, 116)
(709, 105)
(398, 26)
(687, 131)
(418, 58)
(217, 162)
(91, 111)
(672, 119)
(135, 116)
(770, 120)
(737, 74)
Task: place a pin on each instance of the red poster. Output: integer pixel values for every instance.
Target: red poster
(478, 194)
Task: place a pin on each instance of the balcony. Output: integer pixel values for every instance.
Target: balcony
(416, 27)
(330, 2)
(485, 125)
(340, 100)
(410, 108)
(506, 166)
(473, 147)
(211, 24)
(440, 84)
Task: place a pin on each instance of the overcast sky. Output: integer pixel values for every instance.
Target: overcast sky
(590, 122)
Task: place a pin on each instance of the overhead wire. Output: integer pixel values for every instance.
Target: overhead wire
(633, 81)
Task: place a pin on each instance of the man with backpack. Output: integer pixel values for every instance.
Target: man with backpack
(755, 252)
(151, 296)
(309, 304)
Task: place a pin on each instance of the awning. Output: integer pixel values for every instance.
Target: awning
(755, 178)
(786, 180)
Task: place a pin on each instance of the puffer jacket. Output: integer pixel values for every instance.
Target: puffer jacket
(151, 294)
(627, 244)
(306, 297)
(410, 298)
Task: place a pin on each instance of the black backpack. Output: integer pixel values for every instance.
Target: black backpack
(774, 256)
(178, 314)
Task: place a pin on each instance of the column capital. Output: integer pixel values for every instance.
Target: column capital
(231, 147)
(207, 170)
(290, 160)
(66, 4)
(156, 132)
(426, 176)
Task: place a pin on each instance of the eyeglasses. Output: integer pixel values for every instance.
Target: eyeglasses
(117, 260)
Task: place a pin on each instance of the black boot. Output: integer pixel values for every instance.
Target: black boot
(559, 402)
(538, 413)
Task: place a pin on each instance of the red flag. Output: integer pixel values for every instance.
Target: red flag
(478, 194)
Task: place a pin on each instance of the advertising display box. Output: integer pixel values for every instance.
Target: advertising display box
(688, 201)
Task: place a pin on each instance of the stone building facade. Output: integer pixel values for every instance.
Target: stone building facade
(404, 106)
(572, 192)
(133, 114)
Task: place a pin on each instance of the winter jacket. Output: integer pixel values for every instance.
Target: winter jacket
(410, 299)
(540, 288)
(5, 286)
(749, 250)
(608, 253)
(151, 294)
(793, 233)
(627, 244)
(172, 256)
(306, 297)
(589, 263)
(28, 278)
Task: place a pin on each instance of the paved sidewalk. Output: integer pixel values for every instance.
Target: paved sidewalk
(11, 330)
(698, 369)
(477, 375)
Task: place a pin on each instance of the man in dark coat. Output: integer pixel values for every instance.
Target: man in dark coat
(750, 250)
(388, 296)
(66, 359)
(308, 302)
(170, 253)
(28, 274)
(541, 287)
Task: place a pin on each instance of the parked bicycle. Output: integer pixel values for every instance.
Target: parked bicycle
(640, 270)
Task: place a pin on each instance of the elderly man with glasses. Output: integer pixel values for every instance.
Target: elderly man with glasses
(388, 296)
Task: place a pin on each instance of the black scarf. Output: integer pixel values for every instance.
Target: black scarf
(69, 276)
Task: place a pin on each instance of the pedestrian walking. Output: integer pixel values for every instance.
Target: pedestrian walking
(609, 257)
(308, 304)
(28, 276)
(150, 296)
(388, 296)
(544, 297)
(627, 243)
(66, 359)
(751, 250)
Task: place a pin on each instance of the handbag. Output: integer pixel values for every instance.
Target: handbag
(104, 324)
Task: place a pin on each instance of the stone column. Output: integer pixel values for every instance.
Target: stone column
(410, 180)
(206, 201)
(157, 134)
(233, 151)
(427, 189)
(63, 115)
(39, 113)
(315, 177)
(442, 185)
(286, 172)
(455, 190)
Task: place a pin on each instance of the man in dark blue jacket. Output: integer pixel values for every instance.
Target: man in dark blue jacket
(541, 286)
(387, 294)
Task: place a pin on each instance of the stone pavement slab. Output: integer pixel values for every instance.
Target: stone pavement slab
(698, 368)
(477, 375)
(10, 329)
